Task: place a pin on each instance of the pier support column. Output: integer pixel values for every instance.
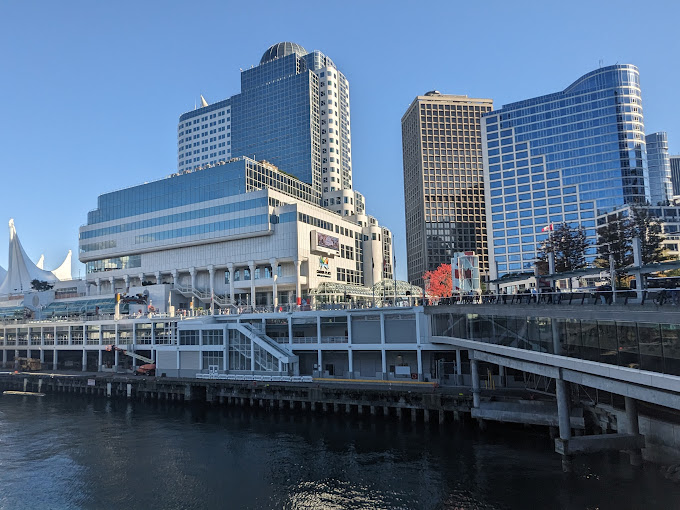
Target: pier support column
(100, 361)
(459, 368)
(129, 390)
(42, 356)
(187, 392)
(348, 408)
(4, 357)
(441, 417)
(84, 361)
(324, 407)
(414, 414)
(108, 389)
(54, 360)
(336, 408)
(291, 403)
(372, 410)
(426, 416)
(386, 411)
(501, 376)
(398, 412)
(474, 371)
(562, 393)
(633, 428)
(313, 407)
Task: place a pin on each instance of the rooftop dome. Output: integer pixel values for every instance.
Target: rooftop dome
(282, 49)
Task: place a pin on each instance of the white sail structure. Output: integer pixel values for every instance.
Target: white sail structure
(3, 273)
(63, 272)
(20, 269)
(41, 262)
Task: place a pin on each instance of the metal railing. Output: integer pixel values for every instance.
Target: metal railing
(659, 297)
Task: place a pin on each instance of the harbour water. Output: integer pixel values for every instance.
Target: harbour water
(61, 452)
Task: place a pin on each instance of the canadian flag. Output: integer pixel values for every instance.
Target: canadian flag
(548, 228)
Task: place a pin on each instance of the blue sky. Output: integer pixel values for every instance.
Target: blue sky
(90, 92)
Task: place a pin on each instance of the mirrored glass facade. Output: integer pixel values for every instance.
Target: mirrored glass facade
(659, 166)
(562, 158)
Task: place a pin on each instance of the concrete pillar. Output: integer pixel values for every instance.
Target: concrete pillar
(230, 268)
(42, 356)
(116, 359)
(399, 412)
(113, 286)
(419, 358)
(319, 361)
(100, 360)
(360, 409)
(348, 408)
(384, 362)
(474, 372)
(441, 416)
(187, 392)
(459, 368)
(211, 272)
(386, 411)
(633, 428)
(372, 409)
(98, 283)
(563, 417)
(501, 376)
(54, 360)
(426, 416)
(298, 285)
(336, 408)
(251, 266)
(414, 414)
(84, 361)
(108, 389)
(275, 278)
(129, 390)
(350, 359)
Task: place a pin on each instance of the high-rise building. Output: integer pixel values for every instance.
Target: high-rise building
(293, 111)
(675, 174)
(659, 167)
(562, 158)
(443, 181)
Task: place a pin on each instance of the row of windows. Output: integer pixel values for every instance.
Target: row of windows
(219, 226)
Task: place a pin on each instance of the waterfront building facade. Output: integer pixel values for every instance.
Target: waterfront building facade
(674, 162)
(659, 166)
(565, 157)
(293, 111)
(443, 181)
(234, 233)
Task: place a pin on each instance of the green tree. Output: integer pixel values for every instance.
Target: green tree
(614, 238)
(569, 246)
(40, 286)
(647, 228)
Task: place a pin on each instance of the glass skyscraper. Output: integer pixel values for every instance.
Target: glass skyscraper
(562, 158)
(293, 111)
(675, 174)
(659, 167)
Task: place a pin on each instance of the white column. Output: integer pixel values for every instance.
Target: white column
(252, 356)
(192, 272)
(275, 278)
(230, 268)
(100, 360)
(384, 362)
(298, 291)
(141, 279)
(98, 282)
(127, 283)
(290, 330)
(211, 272)
(350, 360)
(84, 367)
(158, 277)
(113, 287)
(54, 360)
(318, 329)
(251, 266)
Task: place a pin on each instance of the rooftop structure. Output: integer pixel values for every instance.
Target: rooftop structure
(659, 166)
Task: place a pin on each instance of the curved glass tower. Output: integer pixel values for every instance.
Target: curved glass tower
(562, 158)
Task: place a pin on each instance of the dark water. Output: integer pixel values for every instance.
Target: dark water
(66, 452)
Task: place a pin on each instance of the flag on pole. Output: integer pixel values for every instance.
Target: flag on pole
(548, 228)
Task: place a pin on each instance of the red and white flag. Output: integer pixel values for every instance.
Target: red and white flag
(548, 228)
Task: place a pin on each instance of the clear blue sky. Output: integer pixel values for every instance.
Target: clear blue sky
(90, 92)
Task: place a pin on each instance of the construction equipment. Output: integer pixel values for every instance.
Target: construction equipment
(28, 364)
(149, 368)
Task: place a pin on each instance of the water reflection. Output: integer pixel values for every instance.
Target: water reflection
(65, 452)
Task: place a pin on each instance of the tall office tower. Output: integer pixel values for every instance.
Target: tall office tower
(293, 111)
(659, 168)
(443, 181)
(675, 174)
(564, 157)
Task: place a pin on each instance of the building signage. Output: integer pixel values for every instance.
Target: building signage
(323, 269)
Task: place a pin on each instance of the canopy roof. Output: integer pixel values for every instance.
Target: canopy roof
(20, 269)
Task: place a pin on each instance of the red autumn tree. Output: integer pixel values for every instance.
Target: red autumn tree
(438, 282)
